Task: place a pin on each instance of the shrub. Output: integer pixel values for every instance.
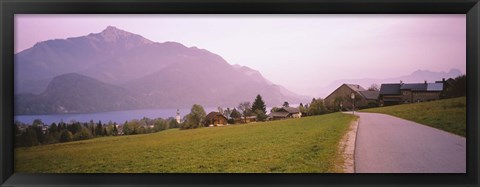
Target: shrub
(84, 134)
(66, 136)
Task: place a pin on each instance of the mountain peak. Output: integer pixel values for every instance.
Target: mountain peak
(114, 34)
(455, 71)
(111, 34)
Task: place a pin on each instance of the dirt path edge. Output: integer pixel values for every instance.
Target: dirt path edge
(347, 147)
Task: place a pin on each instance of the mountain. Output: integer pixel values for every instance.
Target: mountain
(75, 93)
(418, 76)
(36, 66)
(162, 75)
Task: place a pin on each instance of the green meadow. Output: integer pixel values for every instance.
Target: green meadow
(305, 145)
(447, 114)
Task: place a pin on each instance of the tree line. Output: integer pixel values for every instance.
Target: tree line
(40, 134)
(196, 117)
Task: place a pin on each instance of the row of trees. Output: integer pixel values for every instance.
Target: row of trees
(40, 134)
(458, 88)
(196, 117)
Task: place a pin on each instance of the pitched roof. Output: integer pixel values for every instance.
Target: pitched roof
(414, 86)
(448, 82)
(370, 94)
(211, 115)
(390, 89)
(278, 114)
(435, 87)
(290, 110)
(394, 89)
(355, 87)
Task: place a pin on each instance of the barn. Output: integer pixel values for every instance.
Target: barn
(215, 119)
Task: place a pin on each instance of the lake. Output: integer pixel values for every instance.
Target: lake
(115, 116)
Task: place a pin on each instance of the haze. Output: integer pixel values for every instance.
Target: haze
(300, 52)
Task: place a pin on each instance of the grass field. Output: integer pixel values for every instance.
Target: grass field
(308, 144)
(448, 114)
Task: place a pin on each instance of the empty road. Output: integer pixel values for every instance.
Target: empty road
(387, 144)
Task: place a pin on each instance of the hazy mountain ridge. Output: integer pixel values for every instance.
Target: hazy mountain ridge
(418, 76)
(36, 66)
(152, 75)
(75, 93)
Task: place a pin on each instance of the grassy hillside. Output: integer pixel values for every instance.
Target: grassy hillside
(448, 114)
(296, 145)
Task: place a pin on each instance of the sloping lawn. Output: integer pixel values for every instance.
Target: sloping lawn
(308, 144)
(448, 114)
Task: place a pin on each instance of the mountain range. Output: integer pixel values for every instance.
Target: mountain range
(118, 70)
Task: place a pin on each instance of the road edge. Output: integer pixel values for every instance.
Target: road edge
(347, 147)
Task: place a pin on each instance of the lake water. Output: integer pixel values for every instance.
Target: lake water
(105, 117)
(116, 116)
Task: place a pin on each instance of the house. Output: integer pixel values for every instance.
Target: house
(285, 112)
(248, 119)
(120, 130)
(392, 94)
(341, 97)
(215, 119)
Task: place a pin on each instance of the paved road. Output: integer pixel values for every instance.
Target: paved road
(387, 144)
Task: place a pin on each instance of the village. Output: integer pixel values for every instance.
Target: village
(345, 98)
(341, 100)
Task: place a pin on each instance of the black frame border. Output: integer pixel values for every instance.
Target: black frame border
(10, 7)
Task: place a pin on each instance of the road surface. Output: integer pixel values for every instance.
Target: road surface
(387, 144)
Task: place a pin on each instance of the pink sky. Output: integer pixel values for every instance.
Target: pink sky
(300, 52)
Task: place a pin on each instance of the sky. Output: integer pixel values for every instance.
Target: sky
(300, 52)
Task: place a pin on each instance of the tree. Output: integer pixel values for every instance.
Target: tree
(227, 113)
(128, 128)
(337, 101)
(17, 129)
(37, 122)
(459, 87)
(133, 127)
(74, 127)
(246, 109)
(29, 138)
(220, 110)
(373, 87)
(195, 118)
(66, 136)
(285, 104)
(160, 124)
(84, 134)
(53, 128)
(41, 138)
(115, 130)
(316, 107)
(261, 116)
(258, 104)
(302, 109)
(235, 114)
(91, 127)
(99, 129)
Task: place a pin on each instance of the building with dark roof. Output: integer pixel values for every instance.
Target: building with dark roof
(285, 112)
(341, 97)
(215, 119)
(392, 94)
